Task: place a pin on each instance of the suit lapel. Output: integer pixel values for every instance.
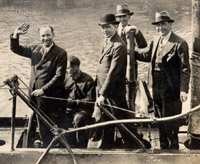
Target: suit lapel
(169, 45)
(156, 41)
(107, 48)
(47, 56)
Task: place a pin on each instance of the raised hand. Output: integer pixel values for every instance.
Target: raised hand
(129, 28)
(20, 30)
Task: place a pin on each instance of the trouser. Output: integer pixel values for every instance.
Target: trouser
(77, 120)
(108, 131)
(166, 103)
(55, 111)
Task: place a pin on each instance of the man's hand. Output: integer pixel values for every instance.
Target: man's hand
(37, 92)
(100, 100)
(20, 30)
(97, 113)
(134, 28)
(183, 96)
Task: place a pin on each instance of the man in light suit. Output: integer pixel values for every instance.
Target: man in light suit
(111, 80)
(48, 68)
(170, 76)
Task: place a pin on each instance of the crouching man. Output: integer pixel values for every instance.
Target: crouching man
(80, 93)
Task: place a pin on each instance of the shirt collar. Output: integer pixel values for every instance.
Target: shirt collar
(48, 48)
(166, 38)
(108, 39)
(119, 30)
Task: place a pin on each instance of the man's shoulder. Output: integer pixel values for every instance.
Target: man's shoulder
(118, 41)
(178, 38)
(86, 76)
(59, 49)
(35, 47)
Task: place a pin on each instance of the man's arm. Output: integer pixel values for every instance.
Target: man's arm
(144, 54)
(183, 53)
(140, 40)
(14, 41)
(90, 89)
(117, 64)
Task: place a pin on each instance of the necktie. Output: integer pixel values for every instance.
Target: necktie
(105, 42)
(123, 35)
(44, 54)
(161, 42)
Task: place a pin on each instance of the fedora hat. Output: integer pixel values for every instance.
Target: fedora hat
(162, 16)
(123, 10)
(108, 19)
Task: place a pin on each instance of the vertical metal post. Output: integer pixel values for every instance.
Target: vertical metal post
(130, 71)
(194, 119)
(15, 84)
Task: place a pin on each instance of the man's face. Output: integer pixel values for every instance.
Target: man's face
(71, 69)
(123, 20)
(108, 30)
(163, 28)
(46, 36)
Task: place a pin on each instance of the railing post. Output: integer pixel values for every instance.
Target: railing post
(194, 118)
(15, 85)
(130, 71)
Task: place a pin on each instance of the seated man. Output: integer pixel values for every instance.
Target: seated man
(78, 86)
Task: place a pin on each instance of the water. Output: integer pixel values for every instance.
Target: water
(76, 28)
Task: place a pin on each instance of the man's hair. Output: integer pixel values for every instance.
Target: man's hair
(51, 28)
(74, 61)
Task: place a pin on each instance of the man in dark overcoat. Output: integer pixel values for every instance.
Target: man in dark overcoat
(169, 75)
(48, 68)
(111, 80)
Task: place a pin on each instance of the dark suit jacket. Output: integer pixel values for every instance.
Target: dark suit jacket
(175, 62)
(80, 89)
(47, 74)
(112, 69)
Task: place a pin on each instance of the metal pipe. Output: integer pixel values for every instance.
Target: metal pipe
(125, 121)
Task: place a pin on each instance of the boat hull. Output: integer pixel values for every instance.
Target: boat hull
(83, 156)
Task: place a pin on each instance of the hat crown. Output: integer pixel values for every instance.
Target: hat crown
(162, 17)
(123, 9)
(162, 14)
(108, 19)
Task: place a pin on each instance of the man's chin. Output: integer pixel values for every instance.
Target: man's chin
(46, 44)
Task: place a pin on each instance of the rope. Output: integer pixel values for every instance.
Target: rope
(1, 86)
(196, 53)
(194, 136)
(89, 102)
(23, 83)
